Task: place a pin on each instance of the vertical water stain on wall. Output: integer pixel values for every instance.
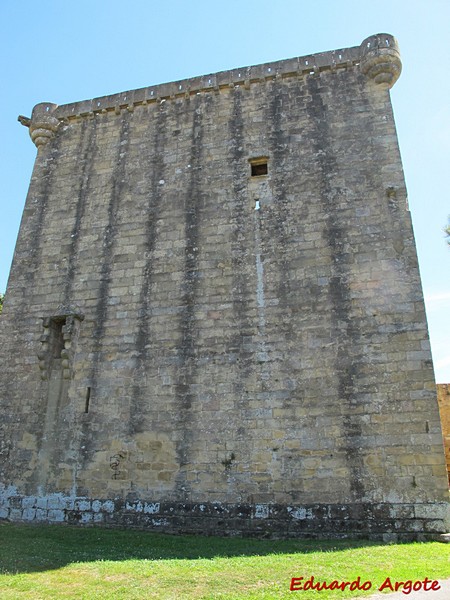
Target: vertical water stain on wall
(187, 366)
(280, 175)
(118, 183)
(154, 166)
(345, 325)
(86, 156)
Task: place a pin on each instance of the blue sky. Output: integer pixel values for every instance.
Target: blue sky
(61, 52)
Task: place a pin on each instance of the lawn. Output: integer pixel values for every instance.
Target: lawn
(42, 562)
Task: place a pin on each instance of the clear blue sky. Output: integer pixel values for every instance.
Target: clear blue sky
(60, 51)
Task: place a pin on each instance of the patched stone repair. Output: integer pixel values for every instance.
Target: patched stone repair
(214, 321)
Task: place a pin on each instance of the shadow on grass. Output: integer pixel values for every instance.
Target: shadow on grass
(33, 548)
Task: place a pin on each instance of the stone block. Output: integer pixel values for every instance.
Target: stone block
(86, 517)
(56, 502)
(56, 516)
(431, 511)
(29, 502)
(15, 502)
(15, 514)
(41, 502)
(82, 505)
(29, 514)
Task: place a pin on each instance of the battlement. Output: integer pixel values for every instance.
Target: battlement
(378, 58)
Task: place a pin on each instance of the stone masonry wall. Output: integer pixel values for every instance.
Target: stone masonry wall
(179, 332)
(384, 522)
(443, 396)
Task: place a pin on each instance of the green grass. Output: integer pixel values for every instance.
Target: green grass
(42, 562)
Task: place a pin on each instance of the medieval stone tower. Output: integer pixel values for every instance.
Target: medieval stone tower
(214, 319)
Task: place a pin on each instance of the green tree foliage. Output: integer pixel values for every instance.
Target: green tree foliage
(1, 303)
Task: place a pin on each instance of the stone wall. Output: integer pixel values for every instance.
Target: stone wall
(443, 396)
(215, 301)
(384, 522)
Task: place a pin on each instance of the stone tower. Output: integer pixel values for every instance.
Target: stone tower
(214, 320)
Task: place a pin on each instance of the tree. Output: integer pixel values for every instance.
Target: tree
(1, 303)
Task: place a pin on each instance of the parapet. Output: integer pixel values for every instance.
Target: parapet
(378, 58)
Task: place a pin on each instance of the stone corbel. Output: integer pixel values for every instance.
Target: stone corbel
(43, 124)
(380, 59)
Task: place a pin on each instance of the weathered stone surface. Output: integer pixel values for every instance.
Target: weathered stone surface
(214, 320)
(376, 521)
(443, 395)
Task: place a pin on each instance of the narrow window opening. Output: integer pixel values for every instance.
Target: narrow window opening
(88, 398)
(56, 337)
(257, 205)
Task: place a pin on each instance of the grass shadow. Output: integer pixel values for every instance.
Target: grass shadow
(34, 548)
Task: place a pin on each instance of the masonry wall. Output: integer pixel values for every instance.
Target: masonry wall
(443, 396)
(178, 333)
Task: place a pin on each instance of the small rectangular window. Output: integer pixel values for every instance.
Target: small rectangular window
(259, 170)
(259, 166)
